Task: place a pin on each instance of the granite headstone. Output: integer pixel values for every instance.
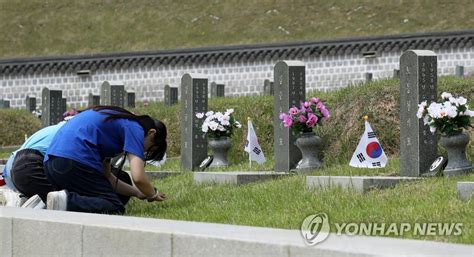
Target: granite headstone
(217, 90)
(130, 99)
(290, 90)
(368, 76)
(194, 91)
(4, 104)
(93, 100)
(459, 71)
(112, 93)
(396, 73)
(171, 95)
(30, 103)
(52, 107)
(63, 105)
(418, 80)
(268, 87)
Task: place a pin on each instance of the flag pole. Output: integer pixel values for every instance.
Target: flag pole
(366, 118)
(250, 158)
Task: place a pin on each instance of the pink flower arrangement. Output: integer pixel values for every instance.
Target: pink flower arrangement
(303, 119)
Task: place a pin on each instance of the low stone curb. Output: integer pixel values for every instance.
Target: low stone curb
(465, 190)
(161, 174)
(360, 184)
(236, 178)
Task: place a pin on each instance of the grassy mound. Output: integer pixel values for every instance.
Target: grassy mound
(341, 133)
(15, 124)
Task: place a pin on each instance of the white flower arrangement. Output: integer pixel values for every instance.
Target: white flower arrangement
(218, 124)
(449, 117)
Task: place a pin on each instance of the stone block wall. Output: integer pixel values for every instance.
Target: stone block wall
(241, 77)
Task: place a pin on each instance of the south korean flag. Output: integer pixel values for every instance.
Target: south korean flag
(369, 152)
(253, 147)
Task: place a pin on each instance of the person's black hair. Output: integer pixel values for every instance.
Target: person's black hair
(158, 150)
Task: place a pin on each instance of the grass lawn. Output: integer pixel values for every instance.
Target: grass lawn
(5, 155)
(285, 202)
(57, 27)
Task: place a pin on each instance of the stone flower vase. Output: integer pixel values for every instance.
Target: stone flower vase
(309, 145)
(455, 145)
(219, 147)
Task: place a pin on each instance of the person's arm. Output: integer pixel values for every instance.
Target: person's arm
(141, 180)
(118, 185)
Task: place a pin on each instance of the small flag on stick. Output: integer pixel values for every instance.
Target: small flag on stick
(369, 152)
(253, 147)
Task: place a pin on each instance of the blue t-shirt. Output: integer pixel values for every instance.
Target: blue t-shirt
(88, 140)
(38, 141)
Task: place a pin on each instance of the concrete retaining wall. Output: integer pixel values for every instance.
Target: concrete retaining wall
(27, 232)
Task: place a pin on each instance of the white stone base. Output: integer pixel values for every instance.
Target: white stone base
(359, 184)
(236, 178)
(465, 190)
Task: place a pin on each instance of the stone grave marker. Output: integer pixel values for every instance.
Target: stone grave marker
(52, 107)
(63, 105)
(368, 76)
(418, 80)
(396, 73)
(93, 100)
(131, 96)
(4, 104)
(465, 189)
(268, 87)
(112, 93)
(129, 99)
(171, 95)
(194, 91)
(290, 90)
(459, 71)
(30, 103)
(217, 90)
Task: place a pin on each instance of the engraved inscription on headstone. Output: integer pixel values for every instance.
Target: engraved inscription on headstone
(93, 100)
(30, 103)
(418, 80)
(194, 90)
(171, 95)
(112, 93)
(268, 87)
(52, 107)
(290, 90)
(217, 90)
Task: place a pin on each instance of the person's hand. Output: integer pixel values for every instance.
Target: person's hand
(158, 197)
(141, 195)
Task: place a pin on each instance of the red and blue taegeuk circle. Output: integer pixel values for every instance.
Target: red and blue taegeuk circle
(374, 150)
